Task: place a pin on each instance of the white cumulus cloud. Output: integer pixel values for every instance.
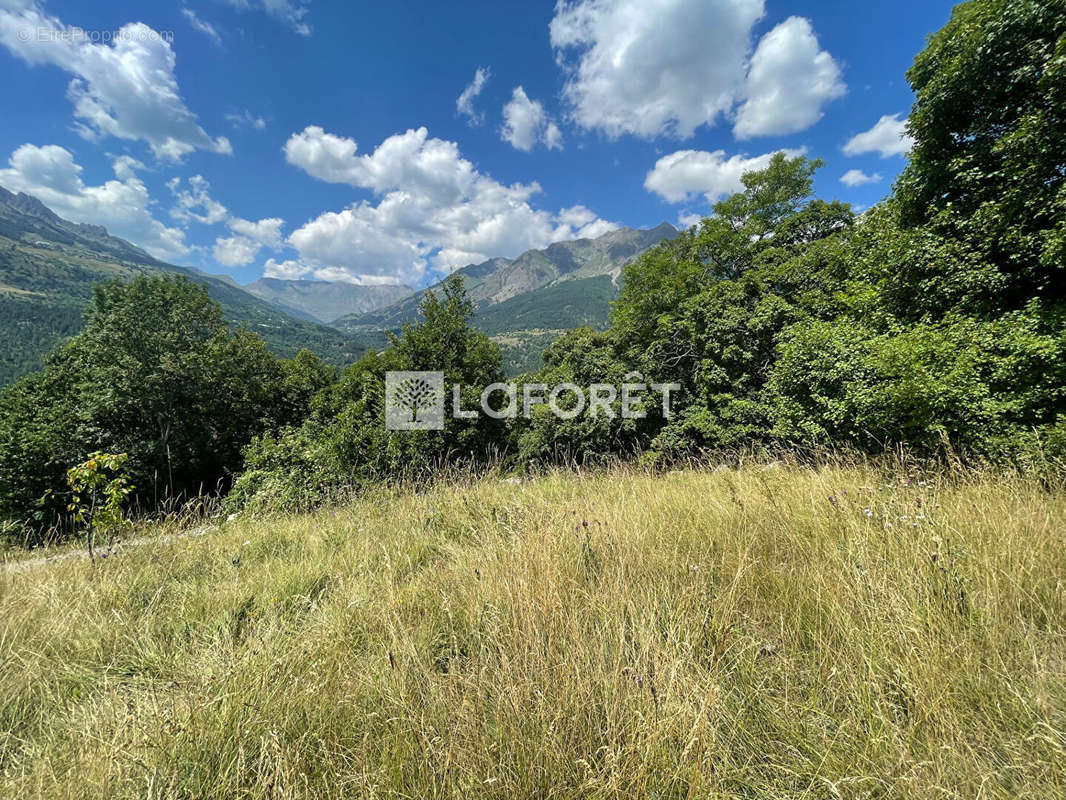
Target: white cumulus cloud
(250, 238)
(655, 68)
(194, 203)
(125, 88)
(50, 174)
(888, 137)
(432, 210)
(266, 232)
(525, 124)
(580, 222)
(687, 220)
(856, 177)
(789, 81)
(234, 251)
(464, 104)
(286, 270)
(295, 269)
(412, 161)
(686, 174)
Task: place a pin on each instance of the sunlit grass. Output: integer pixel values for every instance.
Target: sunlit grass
(700, 634)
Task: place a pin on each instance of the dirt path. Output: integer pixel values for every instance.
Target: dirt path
(24, 565)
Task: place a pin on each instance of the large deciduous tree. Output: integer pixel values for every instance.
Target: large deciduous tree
(156, 374)
(988, 167)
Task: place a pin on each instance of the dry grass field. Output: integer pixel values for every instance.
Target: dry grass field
(782, 632)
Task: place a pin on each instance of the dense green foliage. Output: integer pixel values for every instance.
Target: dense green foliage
(987, 169)
(935, 321)
(156, 374)
(938, 318)
(344, 442)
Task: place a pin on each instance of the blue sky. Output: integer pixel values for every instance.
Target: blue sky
(314, 138)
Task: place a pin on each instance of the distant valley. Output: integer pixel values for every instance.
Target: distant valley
(326, 301)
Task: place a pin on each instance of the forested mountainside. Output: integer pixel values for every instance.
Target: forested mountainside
(48, 267)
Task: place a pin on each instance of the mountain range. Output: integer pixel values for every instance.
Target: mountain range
(525, 303)
(49, 265)
(499, 280)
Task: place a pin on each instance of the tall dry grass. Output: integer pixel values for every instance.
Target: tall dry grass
(755, 633)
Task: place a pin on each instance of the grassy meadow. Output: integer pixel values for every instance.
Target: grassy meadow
(761, 632)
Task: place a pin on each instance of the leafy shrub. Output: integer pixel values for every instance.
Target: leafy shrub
(99, 490)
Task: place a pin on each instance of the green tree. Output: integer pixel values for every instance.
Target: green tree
(583, 357)
(981, 387)
(38, 441)
(303, 378)
(158, 375)
(706, 311)
(988, 168)
(344, 444)
(165, 380)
